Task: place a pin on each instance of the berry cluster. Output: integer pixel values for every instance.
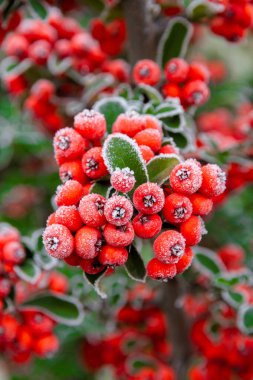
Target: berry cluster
(95, 232)
(188, 82)
(141, 334)
(111, 37)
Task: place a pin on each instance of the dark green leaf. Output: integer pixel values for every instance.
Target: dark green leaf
(39, 8)
(135, 266)
(95, 281)
(111, 108)
(99, 188)
(28, 271)
(245, 319)
(207, 261)
(149, 92)
(159, 167)
(233, 298)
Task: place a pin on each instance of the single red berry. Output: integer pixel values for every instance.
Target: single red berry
(147, 226)
(39, 52)
(232, 256)
(90, 124)
(161, 271)
(151, 122)
(146, 152)
(92, 266)
(214, 180)
(198, 71)
(186, 178)
(169, 247)
(69, 194)
(5, 287)
(13, 253)
(46, 346)
(171, 90)
(148, 198)
(73, 260)
(176, 70)
(8, 234)
(91, 209)
(88, 242)
(147, 72)
(185, 261)
(113, 256)
(63, 48)
(69, 145)
(177, 208)
(169, 149)
(129, 123)
(43, 89)
(69, 217)
(58, 241)
(201, 205)
(118, 210)
(195, 93)
(16, 45)
(192, 230)
(123, 180)
(149, 137)
(51, 219)
(73, 170)
(119, 236)
(93, 163)
(9, 327)
(58, 282)
(37, 322)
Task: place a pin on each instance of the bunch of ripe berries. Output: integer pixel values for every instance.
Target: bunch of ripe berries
(95, 232)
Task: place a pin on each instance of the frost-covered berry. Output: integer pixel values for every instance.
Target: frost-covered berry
(91, 209)
(147, 226)
(93, 163)
(169, 149)
(198, 71)
(129, 123)
(146, 152)
(149, 137)
(73, 260)
(123, 180)
(58, 241)
(148, 198)
(69, 145)
(119, 236)
(192, 230)
(92, 266)
(232, 256)
(90, 124)
(186, 178)
(13, 253)
(118, 210)
(147, 72)
(161, 271)
(113, 256)
(195, 93)
(69, 194)
(169, 247)
(73, 170)
(176, 70)
(201, 205)
(214, 180)
(88, 242)
(7, 234)
(51, 219)
(185, 261)
(39, 51)
(177, 208)
(69, 217)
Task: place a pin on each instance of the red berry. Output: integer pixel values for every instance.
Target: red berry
(149, 137)
(93, 163)
(37, 322)
(39, 52)
(91, 209)
(198, 71)
(232, 256)
(185, 261)
(214, 180)
(147, 72)
(13, 253)
(148, 198)
(73, 260)
(129, 123)
(90, 124)
(119, 236)
(186, 178)
(43, 89)
(118, 210)
(169, 149)
(58, 282)
(69, 194)
(192, 230)
(195, 93)
(46, 346)
(171, 90)
(5, 287)
(161, 271)
(176, 70)
(147, 226)
(73, 170)
(177, 208)
(58, 241)
(69, 217)
(201, 205)
(92, 266)
(113, 256)
(146, 152)
(51, 219)
(169, 247)
(123, 180)
(88, 242)
(69, 145)
(16, 45)
(8, 234)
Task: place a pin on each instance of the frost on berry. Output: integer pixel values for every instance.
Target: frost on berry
(148, 198)
(118, 210)
(88, 242)
(161, 271)
(169, 247)
(58, 241)
(91, 209)
(123, 180)
(186, 178)
(90, 124)
(214, 180)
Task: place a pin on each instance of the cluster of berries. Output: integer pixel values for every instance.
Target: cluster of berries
(188, 82)
(111, 37)
(141, 335)
(94, 232)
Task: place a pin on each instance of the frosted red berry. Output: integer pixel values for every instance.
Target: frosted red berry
(91, 209)
(147, 226)
(5, 287)
(8, 234)
(90, 124)
(161, 271)
(147, 72)
(113, 256)
(119, 236)
(176, 70)
(13, 253)
(51, 219)
(92, 266)
(169, 149)
(73, 170)
(186, 178)
(118, 210)
(88, 242)
(93, 163)
(129, 123)
(198, 71)
(214, 180)
(185, 261)
(69, 194)
(192, 230)
(177, 208)
(201, 205)
(169, 247)
(69, 217)
(148, 198)
(69, 145)
(149, 137)
(46, 346)
(195, 93)
(146, 152)
(123, 180)
(58, 241)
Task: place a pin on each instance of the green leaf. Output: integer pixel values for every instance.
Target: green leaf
(39, 8)
(63, 309)
(198, 9)
(233, 298)
(120, 151)
(28, 271)
(99, 188)
(245, 319)
(167, 109)
(226, 281)
(95, 281)
(111, 108)
(208, 262)
(149, 92)
(174, 123)
(134, 266)
(180, 139)
(159, 167)
(174, 41)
